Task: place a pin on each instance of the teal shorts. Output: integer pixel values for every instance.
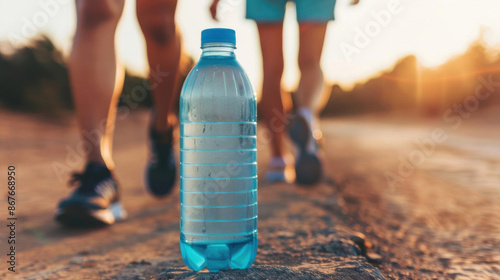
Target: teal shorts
(273, 11)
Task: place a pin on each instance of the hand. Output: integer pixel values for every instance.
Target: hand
(213, 9)
(354, 2)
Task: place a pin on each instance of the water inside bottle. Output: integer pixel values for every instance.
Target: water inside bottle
(218, 164)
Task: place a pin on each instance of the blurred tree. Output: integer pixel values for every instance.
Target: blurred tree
(35, 79)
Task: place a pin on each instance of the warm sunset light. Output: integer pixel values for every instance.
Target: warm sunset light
(364, 39)
(175, 139)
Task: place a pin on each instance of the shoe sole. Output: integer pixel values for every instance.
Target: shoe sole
(308, 168)
(78, 216)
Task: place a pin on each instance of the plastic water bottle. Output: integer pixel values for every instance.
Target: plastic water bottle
(218, 174)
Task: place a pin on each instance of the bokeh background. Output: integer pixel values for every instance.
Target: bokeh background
(426, 55)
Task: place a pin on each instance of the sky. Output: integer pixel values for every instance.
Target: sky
(363, 40)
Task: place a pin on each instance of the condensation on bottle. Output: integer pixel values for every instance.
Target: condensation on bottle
(218, 174)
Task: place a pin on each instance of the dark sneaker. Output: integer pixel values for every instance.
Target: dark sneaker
(308, 167)
(94, 202)
(161, 170)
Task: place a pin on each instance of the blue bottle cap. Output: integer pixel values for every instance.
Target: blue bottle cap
(218, 35)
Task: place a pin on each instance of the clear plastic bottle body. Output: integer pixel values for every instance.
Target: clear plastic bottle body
(218, 163)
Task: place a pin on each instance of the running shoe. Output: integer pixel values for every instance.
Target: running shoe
(161, 170)
(95, 202)
(308, 167)
(279, 170)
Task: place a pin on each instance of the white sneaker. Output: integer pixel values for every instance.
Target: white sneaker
(280, 171)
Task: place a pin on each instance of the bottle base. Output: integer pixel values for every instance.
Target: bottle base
(219, 255)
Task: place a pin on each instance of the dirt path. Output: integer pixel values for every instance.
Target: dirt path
(442, 222)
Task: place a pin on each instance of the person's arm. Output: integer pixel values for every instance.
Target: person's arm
(213, 9)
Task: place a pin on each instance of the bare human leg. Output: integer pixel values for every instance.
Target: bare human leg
(271, 104)
(311, 86)
(157, 21)
(96, 79)
(304, 131)
(273, 100)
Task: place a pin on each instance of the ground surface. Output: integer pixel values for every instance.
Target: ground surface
(441, 222)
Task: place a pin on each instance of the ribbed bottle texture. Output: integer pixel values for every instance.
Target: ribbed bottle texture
(218, 174)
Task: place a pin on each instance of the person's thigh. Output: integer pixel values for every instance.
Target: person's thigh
(157, 18)
(271, 42)
(312, 37)
(266, 11)
(315, 11)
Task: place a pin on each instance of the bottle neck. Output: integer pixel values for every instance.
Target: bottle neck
(218, 49)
